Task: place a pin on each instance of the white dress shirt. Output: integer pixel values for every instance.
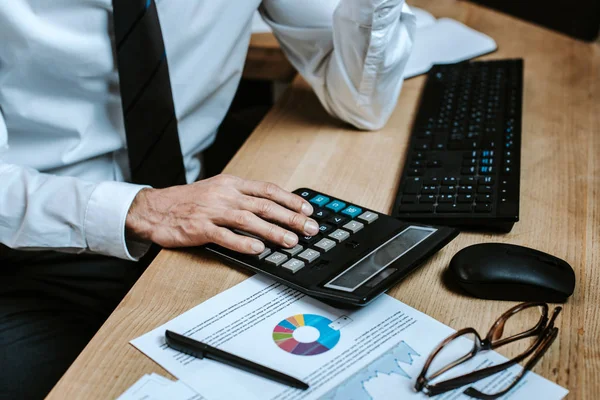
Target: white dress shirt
(63, 157)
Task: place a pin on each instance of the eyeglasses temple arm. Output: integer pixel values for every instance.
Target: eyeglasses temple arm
(472, 392)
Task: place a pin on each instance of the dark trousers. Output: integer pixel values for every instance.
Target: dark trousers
(51, 305)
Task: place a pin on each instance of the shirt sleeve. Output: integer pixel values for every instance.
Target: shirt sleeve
(352, 52)
(47, 212)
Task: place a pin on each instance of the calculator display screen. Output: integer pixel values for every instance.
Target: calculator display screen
(375, 262)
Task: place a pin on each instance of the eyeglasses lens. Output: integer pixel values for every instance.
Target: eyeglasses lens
(444, 365)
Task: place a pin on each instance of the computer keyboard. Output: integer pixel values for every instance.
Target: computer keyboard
(463, 164)
(357, 255)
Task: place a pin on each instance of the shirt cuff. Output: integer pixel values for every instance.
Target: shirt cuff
(105, 217)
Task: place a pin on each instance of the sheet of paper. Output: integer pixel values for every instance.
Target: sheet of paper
(424, 18)
(371, 353)
(156, 387)
(444, 42)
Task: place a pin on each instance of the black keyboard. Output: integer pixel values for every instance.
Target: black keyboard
(358, 254)
(463, 164)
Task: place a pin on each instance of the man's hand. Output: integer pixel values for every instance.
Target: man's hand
(208, 211)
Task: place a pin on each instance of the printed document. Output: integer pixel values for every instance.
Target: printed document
(375, 352)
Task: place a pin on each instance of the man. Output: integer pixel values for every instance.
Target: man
(105, 107)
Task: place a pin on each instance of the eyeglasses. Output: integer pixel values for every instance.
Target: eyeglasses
(453, 351)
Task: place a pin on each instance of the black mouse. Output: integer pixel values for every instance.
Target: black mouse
(499, 271)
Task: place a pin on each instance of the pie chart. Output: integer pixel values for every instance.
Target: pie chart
(284, 336)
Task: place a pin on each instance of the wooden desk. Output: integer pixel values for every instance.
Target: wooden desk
(299, 145)
(265, 60)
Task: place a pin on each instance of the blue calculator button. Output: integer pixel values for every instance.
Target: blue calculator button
(352, 211)
(336, 205)
(320, 200)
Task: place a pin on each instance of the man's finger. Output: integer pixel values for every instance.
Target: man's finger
(273, 192)
(248, 222)
(272, 211)
(242, 244)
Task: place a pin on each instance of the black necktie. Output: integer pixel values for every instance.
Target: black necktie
(150, 123)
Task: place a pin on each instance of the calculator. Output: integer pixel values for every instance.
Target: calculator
(358, 254)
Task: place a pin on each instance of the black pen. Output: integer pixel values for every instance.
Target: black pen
(202, 350)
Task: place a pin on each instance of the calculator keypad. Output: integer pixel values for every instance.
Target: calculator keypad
(337, 221)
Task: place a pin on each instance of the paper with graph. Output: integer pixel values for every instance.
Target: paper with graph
(374, 352)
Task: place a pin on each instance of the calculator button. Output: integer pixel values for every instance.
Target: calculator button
(293, 265)
(325, 244)
(336, 205)
(353, 226)
(307, 194)
(294, 250)
(308, 240)
(352, 211)
(320, 200)
(265, 253)
(320, 213)
(337, 220)
(339, 235)
(309, 255)
(325, 228)
(276, 259)
(368, 217)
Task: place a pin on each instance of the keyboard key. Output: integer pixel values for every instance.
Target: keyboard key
(325, 244)
(265, 253)
(339, 220)
(293, 265)
(308, 240)
(352, 211)
(483, 208)
(427, 198)
(470, 154)
(294, 250)
(446, 198)
(487, 170)
(449, 181)
(409, 199)
(353, 226)
(469, 162)
(412, 186)
(339, 235)
(448, 189)
(486, 180)
(336, 205)
(468, 171)
(276, 259)
(434, 164)
(468, 180)
(429, 190)
(418, 156)
(320, 200)
(466, 189)
(465, 198)
(368, 217)
(416, 208)
(325, 228)
(484, 198)
(485, 189)
(415, 171)
(454, 208)
(432, 181)
(309, 255)
(417, 164)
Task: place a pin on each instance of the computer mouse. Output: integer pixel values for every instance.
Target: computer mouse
(499, 271)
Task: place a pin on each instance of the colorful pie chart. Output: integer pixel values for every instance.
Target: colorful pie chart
(283, 335)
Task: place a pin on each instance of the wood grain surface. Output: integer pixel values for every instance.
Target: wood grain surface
(298, 144)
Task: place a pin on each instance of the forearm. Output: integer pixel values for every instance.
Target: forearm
(356, 61)
(45, 212)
